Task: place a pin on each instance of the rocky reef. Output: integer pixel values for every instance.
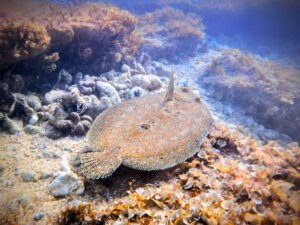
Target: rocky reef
(90, 36)
(75, 100)
(263, 89)
(171, 34)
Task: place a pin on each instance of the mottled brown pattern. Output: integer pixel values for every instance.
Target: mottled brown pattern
(146, 134)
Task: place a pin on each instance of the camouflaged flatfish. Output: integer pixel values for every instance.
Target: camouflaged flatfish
(153, 132)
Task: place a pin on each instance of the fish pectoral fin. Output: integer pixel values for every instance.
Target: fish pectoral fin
(97, 165)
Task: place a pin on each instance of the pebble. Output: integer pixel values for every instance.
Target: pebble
(67, 149)
(38, 217)
(48, 155)
(45, 175)
(66, 183)
(28, 177)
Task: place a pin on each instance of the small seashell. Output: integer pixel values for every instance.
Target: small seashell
(189, 184)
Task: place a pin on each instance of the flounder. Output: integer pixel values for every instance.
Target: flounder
(153, 132)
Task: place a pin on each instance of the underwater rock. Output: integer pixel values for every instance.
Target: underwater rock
(63, 124)
(109, 75)
(125, 68)
(75, 101)
(54, 96)
(29, 177)
(16, 83)
(147, 82)
(145, 61)
(53, 133)
(30, 129)
(11, 126)
(141, 81)
(155, 82)
(86, 85)
(122, 81)
(86, 117)
(96, 106)
(7, 97)
(64, 79)
(66, 183)
(135, 92)
(106, 89)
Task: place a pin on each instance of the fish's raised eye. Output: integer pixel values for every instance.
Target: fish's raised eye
(145, 126)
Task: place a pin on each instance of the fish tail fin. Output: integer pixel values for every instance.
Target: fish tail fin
(97, 165)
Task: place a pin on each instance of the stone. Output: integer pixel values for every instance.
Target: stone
(109, 75)
(155, 82)
(140, 68)
(147, 82)
(30, 129)
(79, 129)
(63, 124)
(45, 175)
(135, 92)
(64, 79)
(96, 107)
(47, 155)
(66, 183)
(106, 89)
(125, 68)
(11, 126)
(54, 96)
(141, 81)
(53, 133)
(86, 117)
(28, 177)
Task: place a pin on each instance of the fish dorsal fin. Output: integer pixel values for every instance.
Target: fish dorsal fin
(170, 91)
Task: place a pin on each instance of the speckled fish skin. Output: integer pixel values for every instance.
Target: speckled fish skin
(146, 133)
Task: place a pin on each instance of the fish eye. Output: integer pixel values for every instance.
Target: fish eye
(145, 126)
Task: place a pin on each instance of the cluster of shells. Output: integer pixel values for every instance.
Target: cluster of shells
(232, 180)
